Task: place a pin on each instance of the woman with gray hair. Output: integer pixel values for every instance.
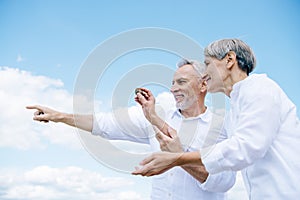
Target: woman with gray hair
(262, 125)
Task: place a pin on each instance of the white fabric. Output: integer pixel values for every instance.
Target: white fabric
(176, 183)
(264, 140)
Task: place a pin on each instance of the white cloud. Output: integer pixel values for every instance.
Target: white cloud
(44, 182)
(17, 129)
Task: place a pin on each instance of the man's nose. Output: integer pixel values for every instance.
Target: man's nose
(174, 88)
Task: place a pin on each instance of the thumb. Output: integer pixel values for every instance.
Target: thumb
(41, 118)
(161, 137)
(172, 132)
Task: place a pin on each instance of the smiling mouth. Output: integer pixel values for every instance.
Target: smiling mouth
(178, 97)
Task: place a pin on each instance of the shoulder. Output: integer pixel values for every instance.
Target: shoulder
(259, 85)
(258, 89)
(258, 81)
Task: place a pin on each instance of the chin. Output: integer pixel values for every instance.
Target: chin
(182, 106)
(211, 89)
(179, 105)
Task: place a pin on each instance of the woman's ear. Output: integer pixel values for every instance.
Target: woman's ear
(230, 59)
(203, 86)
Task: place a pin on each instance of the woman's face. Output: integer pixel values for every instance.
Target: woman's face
(215, 74)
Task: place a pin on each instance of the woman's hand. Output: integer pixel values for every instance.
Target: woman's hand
(157, 163)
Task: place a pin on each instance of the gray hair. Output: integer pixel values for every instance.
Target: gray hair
(198, 67)
(245, 56)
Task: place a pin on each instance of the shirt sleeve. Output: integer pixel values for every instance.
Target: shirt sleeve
(220, 182)
(256, 124)
(123, 124)
(223, 181)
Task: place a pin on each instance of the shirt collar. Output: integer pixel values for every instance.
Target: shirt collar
(206, 116)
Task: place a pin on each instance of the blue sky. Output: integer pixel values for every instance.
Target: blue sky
(45, 43)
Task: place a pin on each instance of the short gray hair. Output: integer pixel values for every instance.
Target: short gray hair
(198, 67)
(244, 54)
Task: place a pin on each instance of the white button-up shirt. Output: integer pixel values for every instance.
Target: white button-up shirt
(176, 183)
(264, 140)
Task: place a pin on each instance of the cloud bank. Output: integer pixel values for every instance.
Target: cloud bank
(44, 182)
(17, 129)
(20, 88)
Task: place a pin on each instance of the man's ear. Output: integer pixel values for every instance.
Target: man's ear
(230, 59)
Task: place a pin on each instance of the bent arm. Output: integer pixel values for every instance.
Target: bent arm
(189, 161)
(170, 142)
(220, 182)
(251, 137)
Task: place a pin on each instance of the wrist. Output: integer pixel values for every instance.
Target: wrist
(179, 159)
(66, 118)
(191, 159)
(155, 120)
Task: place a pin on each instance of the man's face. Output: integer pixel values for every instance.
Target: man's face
(186, 87)
(215, 74)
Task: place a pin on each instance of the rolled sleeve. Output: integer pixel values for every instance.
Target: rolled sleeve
(213, 163)
(220, 182)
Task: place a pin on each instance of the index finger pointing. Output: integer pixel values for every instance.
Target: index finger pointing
(34, 107)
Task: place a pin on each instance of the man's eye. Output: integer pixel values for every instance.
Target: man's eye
(181, 81)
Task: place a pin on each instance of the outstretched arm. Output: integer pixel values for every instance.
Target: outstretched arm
(45, 114)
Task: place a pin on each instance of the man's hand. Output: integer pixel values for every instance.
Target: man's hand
(45, 114)
(146, 99)
(169, 142)
(157, 163)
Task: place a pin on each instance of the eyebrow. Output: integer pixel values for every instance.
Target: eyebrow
(181, 78)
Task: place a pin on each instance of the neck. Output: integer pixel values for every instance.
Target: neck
(235, 76)
(193, 111)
